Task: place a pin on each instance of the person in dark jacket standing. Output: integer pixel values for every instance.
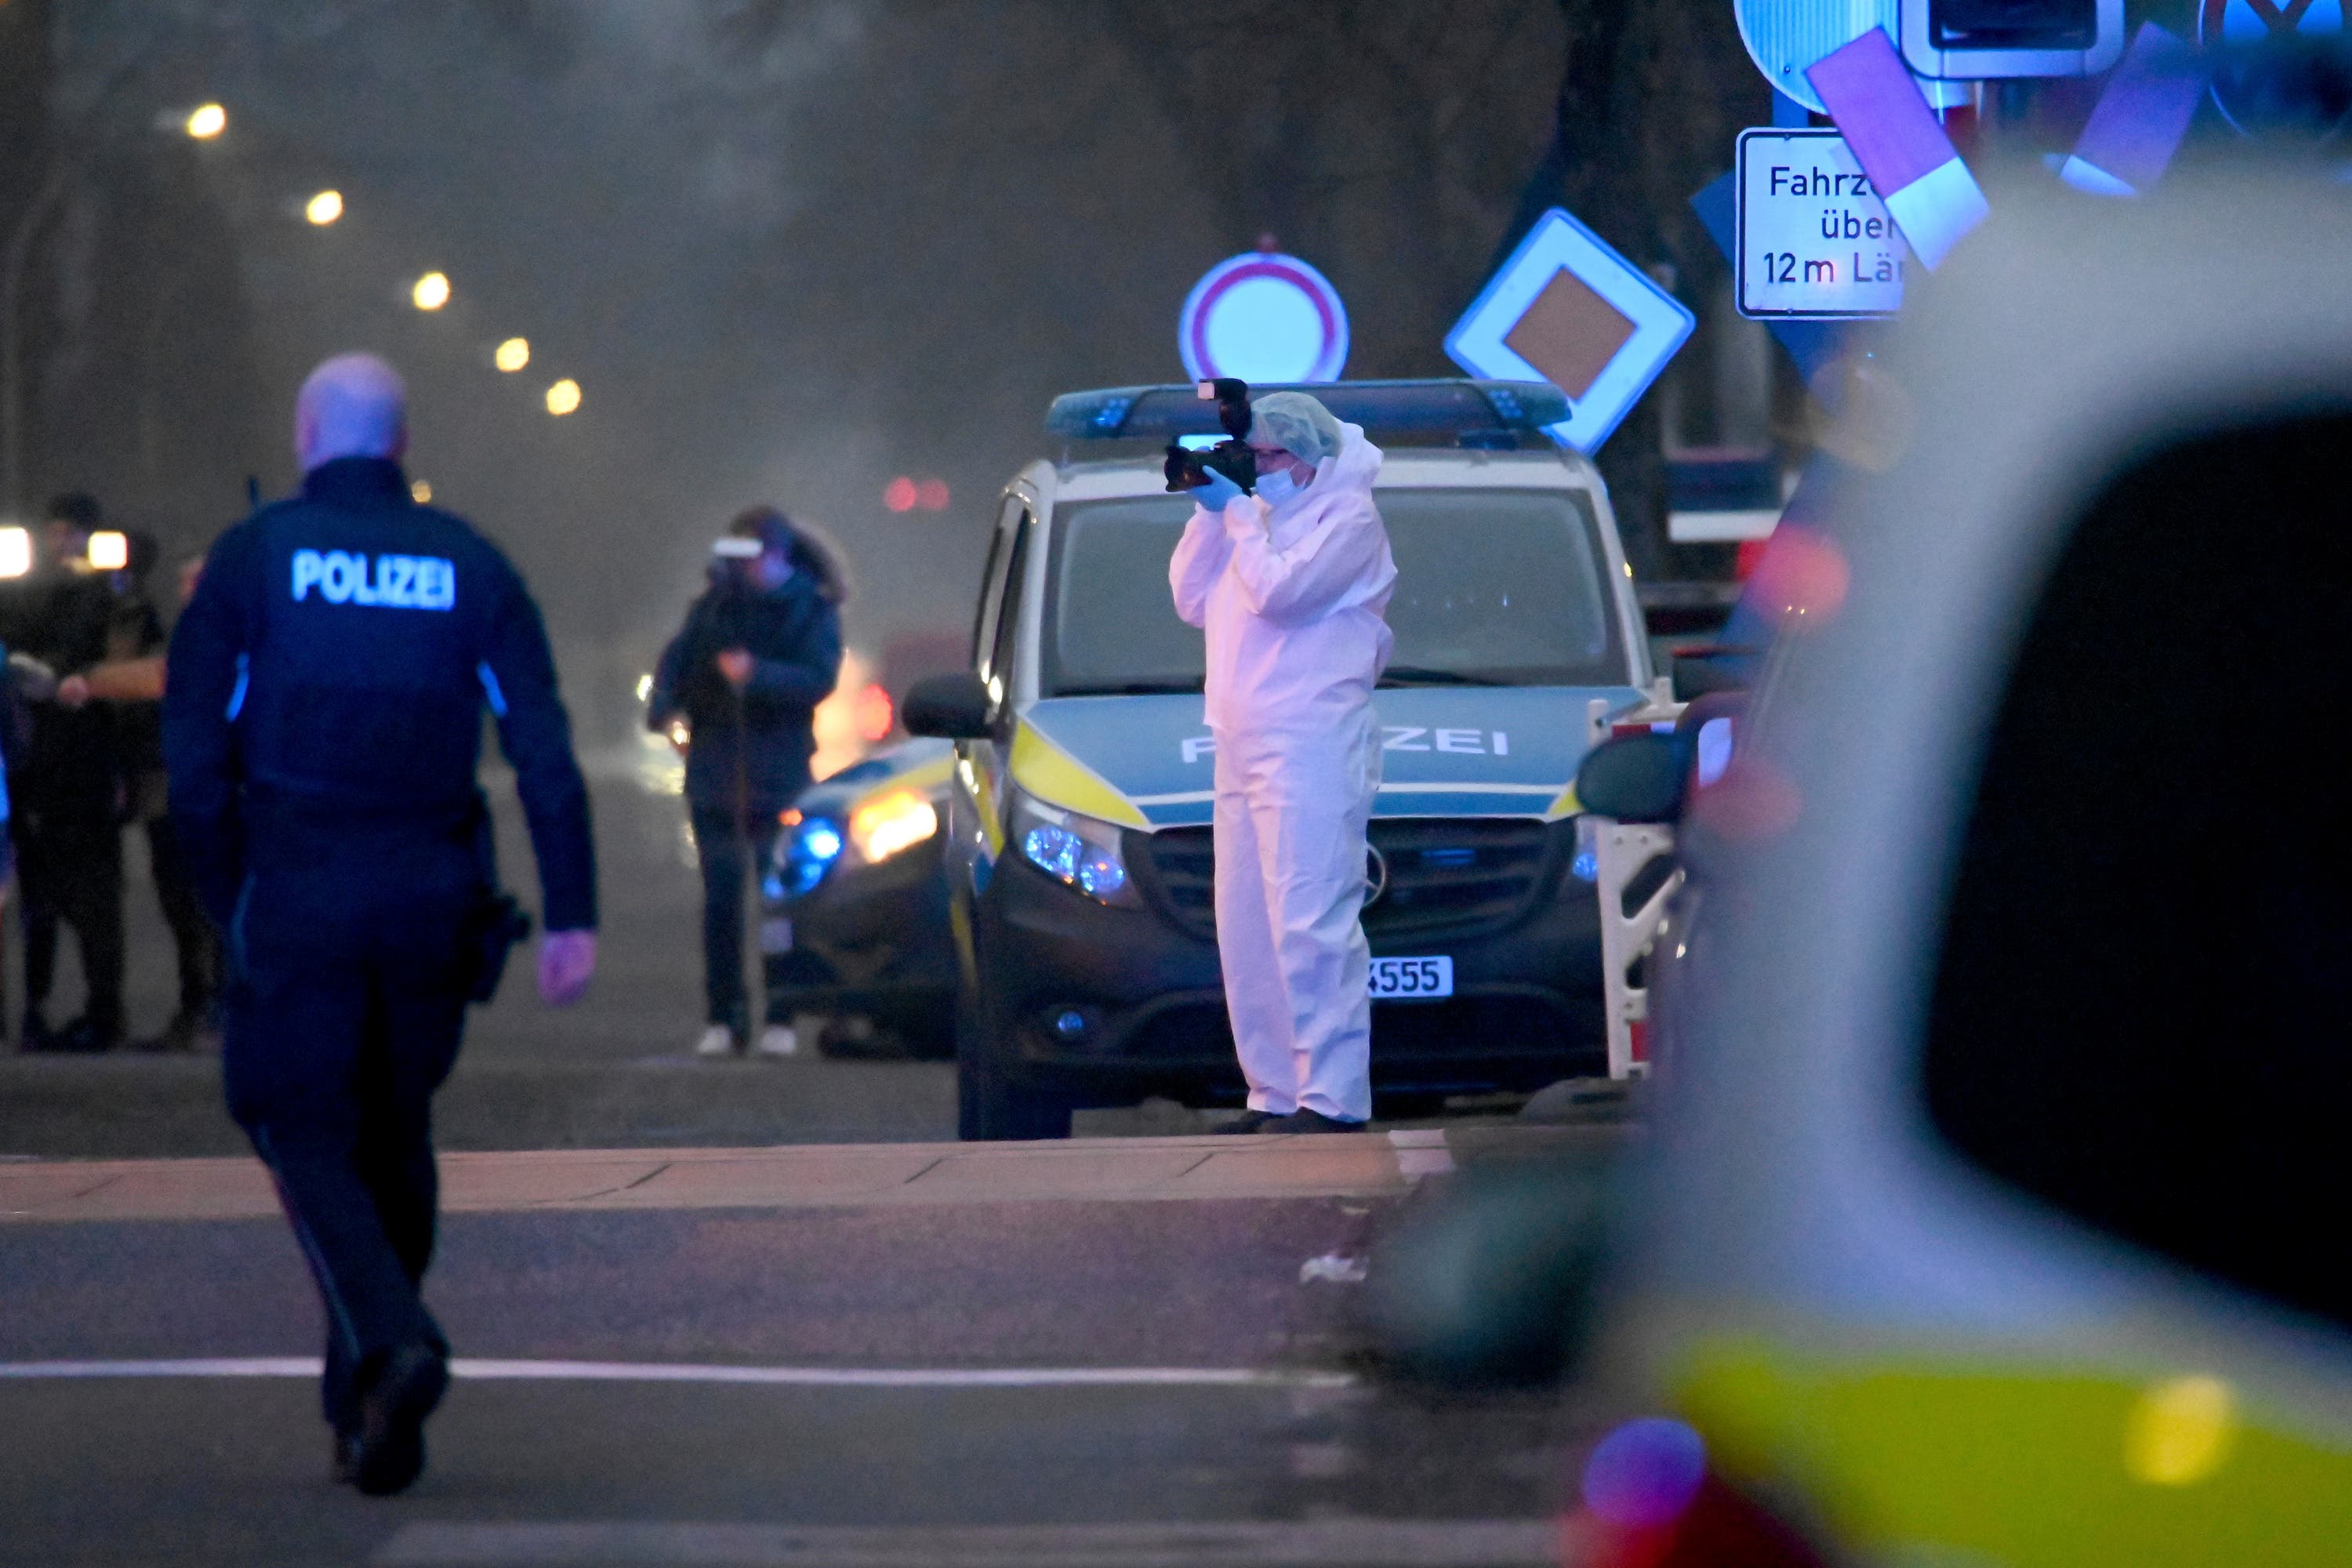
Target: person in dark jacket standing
(760, 649)
(322, 727)
(68, 792)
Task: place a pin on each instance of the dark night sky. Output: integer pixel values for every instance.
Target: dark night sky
(787, 250)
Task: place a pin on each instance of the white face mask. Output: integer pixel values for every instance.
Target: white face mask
(1278, 487)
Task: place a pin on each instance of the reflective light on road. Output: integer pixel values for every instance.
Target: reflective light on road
(208, 121)
(512, 354)
(324, 208)
(564, 397)
(900, 494)
(419, 492)
(645, 686)
(432, 292)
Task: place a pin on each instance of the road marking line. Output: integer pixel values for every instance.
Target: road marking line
(484, 1371)
(1306, 1543)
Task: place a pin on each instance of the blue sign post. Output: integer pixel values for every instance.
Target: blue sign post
(1568, 310)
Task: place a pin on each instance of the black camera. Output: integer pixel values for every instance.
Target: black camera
(1187, 468)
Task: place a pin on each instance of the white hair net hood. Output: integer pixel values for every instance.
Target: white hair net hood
(1296, 423)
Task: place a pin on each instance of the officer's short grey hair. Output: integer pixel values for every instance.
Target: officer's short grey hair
(1296, 423)
(352, 406)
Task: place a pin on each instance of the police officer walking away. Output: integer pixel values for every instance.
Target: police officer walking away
(322, 724)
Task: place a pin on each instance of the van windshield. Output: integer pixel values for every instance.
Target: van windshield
(1495, 587)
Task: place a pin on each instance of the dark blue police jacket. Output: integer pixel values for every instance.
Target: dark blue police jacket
(333, 666)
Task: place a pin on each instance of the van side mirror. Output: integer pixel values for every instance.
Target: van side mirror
(1635, 778)
(947, 706)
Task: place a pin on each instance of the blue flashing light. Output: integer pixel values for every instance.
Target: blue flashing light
(1069, 1022)
(1055, 851)
(1451, 860)
(1102, 878)
(1586, 866)
(1070, 860)
(814, 845)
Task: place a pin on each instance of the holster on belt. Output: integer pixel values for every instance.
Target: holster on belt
(497, 920)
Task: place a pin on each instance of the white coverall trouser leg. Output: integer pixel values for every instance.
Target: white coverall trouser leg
(1289, 835)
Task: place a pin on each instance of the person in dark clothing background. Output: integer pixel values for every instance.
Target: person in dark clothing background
(67, 788)
(323, 723)
(135, 640)
(760, 649)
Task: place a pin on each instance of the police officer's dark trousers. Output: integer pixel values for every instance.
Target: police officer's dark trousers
(350, 968)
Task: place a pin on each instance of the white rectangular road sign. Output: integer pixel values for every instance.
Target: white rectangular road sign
(1814, 238)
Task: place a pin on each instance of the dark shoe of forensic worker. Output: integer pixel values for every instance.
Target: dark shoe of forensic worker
(1254, 1122)
(389, 1450)
(1306, 1121)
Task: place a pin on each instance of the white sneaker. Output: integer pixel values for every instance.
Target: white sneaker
(718, 1040)
(778, 1040)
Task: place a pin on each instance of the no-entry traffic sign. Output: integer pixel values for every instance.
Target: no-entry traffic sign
(1815, 240)
(1263, 317)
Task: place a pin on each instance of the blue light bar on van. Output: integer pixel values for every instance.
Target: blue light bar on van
(1452, 407)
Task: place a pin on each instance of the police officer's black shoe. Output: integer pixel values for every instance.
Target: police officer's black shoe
(389, 1453)
(1254, 1122)
(1306, 1121)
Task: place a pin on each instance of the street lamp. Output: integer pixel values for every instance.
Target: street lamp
(512, 354)
(432, 292)
(208, 121)
(564, 397)
(324, 208)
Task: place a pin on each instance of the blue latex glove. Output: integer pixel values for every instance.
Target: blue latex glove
(1217, 492)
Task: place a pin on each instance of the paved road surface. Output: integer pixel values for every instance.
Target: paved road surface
(1109, 1368)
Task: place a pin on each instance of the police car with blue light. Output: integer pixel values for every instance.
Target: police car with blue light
(855, 921)
(1077, 842)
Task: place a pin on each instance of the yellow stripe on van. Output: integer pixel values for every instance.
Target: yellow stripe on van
(1054, 776)
(1566, 804)
(1933, 1460)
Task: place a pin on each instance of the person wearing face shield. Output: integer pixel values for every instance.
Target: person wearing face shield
(1291, 585)
(760, 649)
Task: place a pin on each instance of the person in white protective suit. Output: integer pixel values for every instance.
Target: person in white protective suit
(1291, 585)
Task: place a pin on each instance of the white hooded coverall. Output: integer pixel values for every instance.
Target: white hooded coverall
(1292, 597)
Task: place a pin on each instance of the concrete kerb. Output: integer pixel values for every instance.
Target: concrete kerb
(787, 1176)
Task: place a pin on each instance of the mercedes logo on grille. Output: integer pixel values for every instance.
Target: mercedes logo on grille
(1376, 876)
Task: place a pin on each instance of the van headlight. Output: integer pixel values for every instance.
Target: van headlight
(891, 824)
(1078, 851)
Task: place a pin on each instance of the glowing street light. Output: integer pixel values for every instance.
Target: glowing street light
(110, 550)
(564, 397)
(512, 354)
(324, 208)
(432, 292)
(16, 550)
(208, 121)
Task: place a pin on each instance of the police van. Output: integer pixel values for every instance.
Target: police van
(1078, 846)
